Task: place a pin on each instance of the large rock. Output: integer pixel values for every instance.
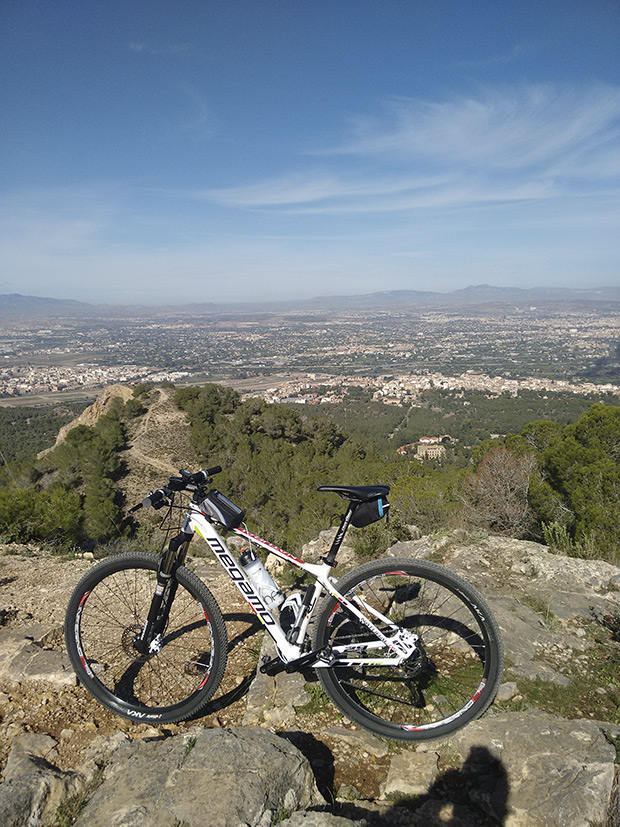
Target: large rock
(271, 699)
(34, 789)
(542, 601)
(554, 772)
(313, 551)
(411, 773)
(517, 769)
(242, 776)
(24, 657)
(305, 818)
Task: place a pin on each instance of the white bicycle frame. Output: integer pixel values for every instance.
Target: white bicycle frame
(402, 642)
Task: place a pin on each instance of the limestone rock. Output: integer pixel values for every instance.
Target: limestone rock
(321, 819)
(33, 789)
(271, 700)
(360, 740)
(541, 600)
(548, 771)
(220, 777)
(23, 658)
(507, 691)
(25, 750)
(315, 549)
(411, 773)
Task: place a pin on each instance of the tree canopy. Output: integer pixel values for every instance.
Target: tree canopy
(549, 479)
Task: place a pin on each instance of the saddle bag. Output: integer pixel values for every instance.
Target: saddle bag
(370, 512)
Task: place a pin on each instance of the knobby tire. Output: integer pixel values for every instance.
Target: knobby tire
(449, 682)
(107, 611)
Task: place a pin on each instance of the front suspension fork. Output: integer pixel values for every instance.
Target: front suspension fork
(165, 591)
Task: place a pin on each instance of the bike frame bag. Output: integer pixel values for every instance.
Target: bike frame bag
(216, 506)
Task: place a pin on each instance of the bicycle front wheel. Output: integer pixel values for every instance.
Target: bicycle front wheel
(106, 613)
(449, 680)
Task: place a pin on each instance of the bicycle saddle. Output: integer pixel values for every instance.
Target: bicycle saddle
(361, 493)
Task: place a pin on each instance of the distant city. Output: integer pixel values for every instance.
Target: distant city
(316, 355)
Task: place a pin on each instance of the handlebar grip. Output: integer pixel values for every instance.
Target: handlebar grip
(203, 476)
(154, 498)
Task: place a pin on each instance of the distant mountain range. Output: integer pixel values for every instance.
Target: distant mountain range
(15, 305)
(480, 294)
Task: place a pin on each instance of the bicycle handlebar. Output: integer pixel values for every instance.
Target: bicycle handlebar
(157, 498)
(200, 476)
(154, 498)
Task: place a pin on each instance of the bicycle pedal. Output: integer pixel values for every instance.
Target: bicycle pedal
(271, 666)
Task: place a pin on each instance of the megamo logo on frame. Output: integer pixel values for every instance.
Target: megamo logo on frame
(240, 581)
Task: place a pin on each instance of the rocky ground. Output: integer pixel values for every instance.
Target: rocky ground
(544, 754)
(274, 750)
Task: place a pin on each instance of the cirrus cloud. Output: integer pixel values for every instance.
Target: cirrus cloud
(515, 144)
(508, 128)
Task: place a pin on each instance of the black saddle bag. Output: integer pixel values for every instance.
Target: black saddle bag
(367, 513)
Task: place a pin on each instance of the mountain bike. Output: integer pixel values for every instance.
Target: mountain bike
(403, 647)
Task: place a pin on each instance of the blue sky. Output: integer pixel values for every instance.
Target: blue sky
(216, 150)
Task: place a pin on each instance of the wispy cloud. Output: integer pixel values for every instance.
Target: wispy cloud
(525, 177)
(367, 197)
(510, 128)
(512, 144)
(307, 188)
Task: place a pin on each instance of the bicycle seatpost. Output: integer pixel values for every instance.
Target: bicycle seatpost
(330, 557)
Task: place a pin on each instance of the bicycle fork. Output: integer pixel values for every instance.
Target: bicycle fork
(149, 641)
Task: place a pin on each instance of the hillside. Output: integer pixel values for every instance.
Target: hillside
(543, 755)
(157, 442)
(546, 753)
(555, 480)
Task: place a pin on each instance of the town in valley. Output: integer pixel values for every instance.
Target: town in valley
(317, 356)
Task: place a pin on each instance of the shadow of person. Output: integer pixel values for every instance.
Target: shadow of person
(481, 786)
(474, 795)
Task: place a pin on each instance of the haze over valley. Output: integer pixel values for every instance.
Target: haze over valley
(391, 345)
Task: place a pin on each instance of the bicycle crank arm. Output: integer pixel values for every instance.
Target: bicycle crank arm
(316, 658)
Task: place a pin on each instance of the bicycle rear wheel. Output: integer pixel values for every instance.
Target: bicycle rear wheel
(107, 611)
(453, 676)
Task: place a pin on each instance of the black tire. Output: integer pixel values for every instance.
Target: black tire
(451, 681)
(107, 610)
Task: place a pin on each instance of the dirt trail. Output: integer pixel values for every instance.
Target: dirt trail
(159, 415)
(158, 446)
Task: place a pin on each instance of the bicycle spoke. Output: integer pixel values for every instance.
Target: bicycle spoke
(439, 682)
(114, 614)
